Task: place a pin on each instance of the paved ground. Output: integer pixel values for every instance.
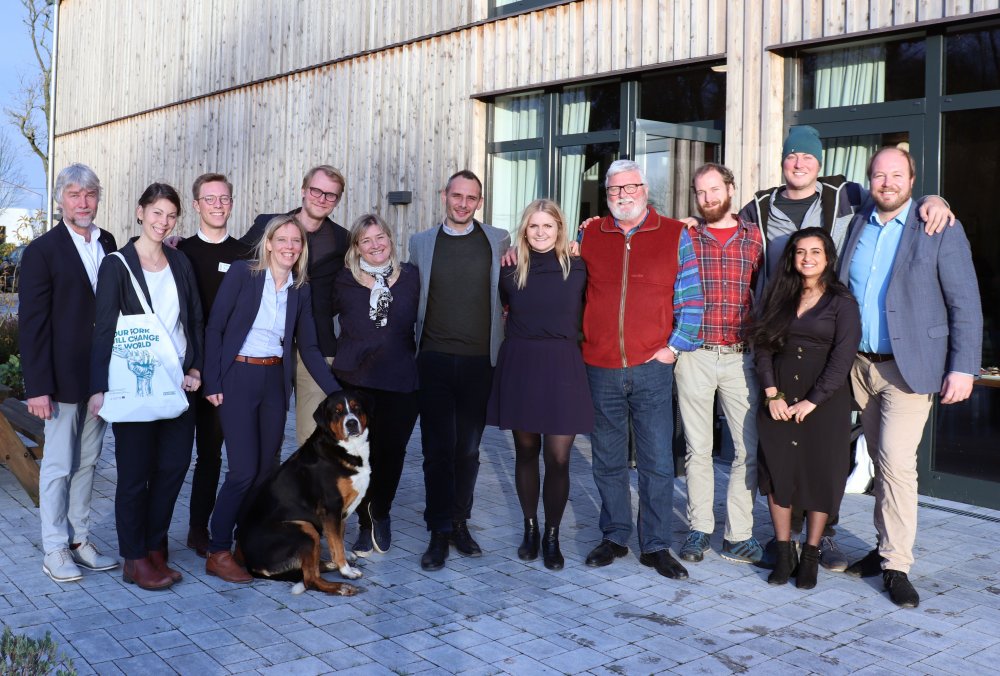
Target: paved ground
(497, 614)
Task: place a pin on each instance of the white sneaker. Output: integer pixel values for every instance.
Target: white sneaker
(89, 557)
(60, 567)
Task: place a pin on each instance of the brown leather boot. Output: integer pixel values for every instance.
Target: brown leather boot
(224, 566)
(158, 560)
(143, 573)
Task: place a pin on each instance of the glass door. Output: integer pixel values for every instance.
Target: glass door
(669, 154)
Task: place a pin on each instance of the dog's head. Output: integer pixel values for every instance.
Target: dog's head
(344, 414)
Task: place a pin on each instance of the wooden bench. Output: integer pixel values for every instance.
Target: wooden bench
(21, 460)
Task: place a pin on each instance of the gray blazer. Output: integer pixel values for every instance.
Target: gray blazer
(932, 305)
(422, 255)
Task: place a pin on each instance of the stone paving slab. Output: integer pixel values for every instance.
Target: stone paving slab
(499, 615)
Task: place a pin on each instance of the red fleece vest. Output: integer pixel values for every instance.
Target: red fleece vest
(629, 313)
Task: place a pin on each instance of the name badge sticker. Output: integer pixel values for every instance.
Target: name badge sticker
(223, 267)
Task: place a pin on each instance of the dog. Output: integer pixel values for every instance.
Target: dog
(310, 497)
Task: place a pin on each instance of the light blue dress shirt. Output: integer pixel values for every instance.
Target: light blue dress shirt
(871, 267)
(267, 333)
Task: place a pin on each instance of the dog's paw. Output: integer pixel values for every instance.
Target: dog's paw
(327, 566)
(350, 572)
(347, 590)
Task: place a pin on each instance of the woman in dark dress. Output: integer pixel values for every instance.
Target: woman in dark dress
(540, 389)
(805, 341)
(376, 298)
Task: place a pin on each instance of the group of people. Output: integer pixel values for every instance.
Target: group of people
(753, 307)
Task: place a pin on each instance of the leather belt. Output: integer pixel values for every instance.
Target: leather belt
(259, 361)
(875, 357)
(735, 348)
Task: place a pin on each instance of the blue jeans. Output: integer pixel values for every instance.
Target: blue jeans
(645, 393)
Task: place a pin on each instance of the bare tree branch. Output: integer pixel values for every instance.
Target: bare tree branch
(29, 109)
(10, 178)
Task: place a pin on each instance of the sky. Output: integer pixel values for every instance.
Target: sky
(18, 58)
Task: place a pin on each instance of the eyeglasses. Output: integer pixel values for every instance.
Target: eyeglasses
(628, 188)
(328, 196)
(210, 200)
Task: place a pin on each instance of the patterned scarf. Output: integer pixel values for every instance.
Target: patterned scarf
(378, 302)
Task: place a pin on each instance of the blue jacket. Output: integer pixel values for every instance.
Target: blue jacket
(932, 305)
(232, 316)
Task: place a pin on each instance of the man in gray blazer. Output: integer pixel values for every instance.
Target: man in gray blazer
(459, 331)
(922, 333)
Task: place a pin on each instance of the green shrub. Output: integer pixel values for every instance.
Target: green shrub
(24, 656)
(11, 376)
(8, 335)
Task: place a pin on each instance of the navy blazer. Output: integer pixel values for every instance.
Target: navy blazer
(116, 295)
(56, 310)
(232, 316)
(932, 304)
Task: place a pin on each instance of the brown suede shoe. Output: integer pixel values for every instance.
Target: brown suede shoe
(198, 541)
(224, 566)
(159, 561)
(144, 574)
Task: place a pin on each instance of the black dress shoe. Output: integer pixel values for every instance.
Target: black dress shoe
(900, 590)
(605, 553)
(869, 566)
(462, 539)
(665, 564)
(437, 551)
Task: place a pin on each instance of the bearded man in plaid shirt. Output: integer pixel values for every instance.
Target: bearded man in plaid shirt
(730, 251)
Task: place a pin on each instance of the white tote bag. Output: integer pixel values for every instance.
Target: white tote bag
(144, 377)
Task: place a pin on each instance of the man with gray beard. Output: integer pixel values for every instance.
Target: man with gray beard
(644, 307)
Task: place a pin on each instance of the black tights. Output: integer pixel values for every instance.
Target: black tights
(527, 446)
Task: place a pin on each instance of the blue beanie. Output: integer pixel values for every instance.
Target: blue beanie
(803, 139)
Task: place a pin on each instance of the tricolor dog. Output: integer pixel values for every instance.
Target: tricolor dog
(310, 497)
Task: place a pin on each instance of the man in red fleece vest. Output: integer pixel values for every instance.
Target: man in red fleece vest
(644, 306)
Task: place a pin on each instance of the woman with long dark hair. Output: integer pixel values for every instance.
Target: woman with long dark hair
(540, 389)
(152, 457)
(804, 340)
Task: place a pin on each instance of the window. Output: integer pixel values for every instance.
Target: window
(559, 143)
(505, 7)
(862, 74)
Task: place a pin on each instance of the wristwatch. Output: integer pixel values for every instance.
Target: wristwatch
(673, 349)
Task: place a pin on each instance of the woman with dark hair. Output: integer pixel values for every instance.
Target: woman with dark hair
(540, 389)
(376, 298)
(263, 308)
(152, 457)
(805, 341)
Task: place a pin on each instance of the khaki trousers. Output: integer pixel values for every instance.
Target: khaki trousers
(700, 374)
(893, 417)
(308, 397)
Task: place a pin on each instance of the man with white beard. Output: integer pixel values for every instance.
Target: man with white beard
(644, 307)
(730, 252)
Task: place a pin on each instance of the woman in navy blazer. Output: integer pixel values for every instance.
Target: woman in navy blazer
(263, 307)
(152, 457)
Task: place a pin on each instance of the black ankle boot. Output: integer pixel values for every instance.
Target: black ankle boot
(784, 564)
(808, 564)
(551, 555)
(528, 551)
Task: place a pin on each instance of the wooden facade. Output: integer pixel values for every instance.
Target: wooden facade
(164, 90)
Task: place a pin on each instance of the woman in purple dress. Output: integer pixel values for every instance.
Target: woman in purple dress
(540, 389)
